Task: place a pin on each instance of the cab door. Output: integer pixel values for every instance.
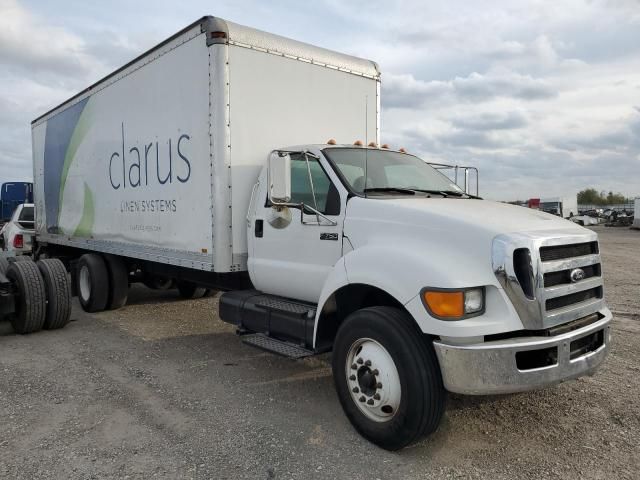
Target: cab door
(292, 249)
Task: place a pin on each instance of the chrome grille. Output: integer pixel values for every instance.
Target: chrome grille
(561, 295)
(542, 291)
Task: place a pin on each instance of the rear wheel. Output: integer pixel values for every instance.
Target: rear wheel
(30, 298)
(387, 377)
(118, 282)
(157, 282)
(190, 290)
(58, 290)
(92, 282)
(4, 265)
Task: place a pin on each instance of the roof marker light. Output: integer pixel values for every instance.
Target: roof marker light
(358, 143)
(385, 145)
(373, 144)
(331, 141)
(402, 150)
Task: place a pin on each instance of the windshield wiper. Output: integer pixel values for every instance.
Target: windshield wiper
(446, 193)
(409, 191)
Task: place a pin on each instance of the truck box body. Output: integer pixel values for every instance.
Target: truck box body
(157, 160)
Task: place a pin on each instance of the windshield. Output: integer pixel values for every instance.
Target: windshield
(26, 215)
(387, 170)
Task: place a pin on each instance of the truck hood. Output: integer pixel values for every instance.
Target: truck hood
(446, 242)
(482, 217)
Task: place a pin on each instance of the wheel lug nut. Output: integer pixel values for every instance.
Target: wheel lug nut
(376, 372)
(378, 385)
(359, 361)
(370, 401)
(368, 363)
(355, 390)
(362, 399)
(352, 377)
(376, 396)
(354, 367)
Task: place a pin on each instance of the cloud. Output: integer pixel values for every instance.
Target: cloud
(405, 91)
(491, 121)
(28, 44)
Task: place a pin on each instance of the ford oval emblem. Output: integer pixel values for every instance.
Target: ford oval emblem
(577, 274)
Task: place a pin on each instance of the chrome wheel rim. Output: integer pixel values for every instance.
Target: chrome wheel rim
(373, 380)
(85, 283)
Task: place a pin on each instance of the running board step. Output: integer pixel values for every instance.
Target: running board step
(273, 345)
(282, 318)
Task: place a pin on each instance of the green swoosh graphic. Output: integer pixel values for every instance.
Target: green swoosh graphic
(85, 227)
(84, 122)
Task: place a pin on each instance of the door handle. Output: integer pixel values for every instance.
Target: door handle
(259, 228)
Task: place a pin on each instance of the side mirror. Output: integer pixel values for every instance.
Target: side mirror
(279, 177)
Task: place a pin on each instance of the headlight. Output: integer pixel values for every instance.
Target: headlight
(453, 304)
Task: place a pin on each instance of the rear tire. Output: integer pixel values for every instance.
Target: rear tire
(118, 282)
(58, 290)
(30, 300)
(400, 397)
(92, 282)
(190, 290)
(4, 265)
(156, 282)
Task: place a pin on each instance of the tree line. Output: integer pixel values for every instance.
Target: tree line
(590, 196)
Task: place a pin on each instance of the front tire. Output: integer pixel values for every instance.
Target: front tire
(387, 377)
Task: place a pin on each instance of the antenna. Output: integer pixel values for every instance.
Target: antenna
(366, 141)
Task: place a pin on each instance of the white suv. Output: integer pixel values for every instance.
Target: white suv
(15, 236)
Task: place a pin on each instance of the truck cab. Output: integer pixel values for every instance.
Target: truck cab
(372, 253)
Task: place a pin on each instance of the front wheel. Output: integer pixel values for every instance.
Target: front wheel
(387, 377)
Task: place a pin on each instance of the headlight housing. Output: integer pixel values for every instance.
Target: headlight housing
(453, 304)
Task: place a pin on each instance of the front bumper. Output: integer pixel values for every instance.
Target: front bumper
(493, 367)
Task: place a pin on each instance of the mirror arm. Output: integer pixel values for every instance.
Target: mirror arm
(318, 214)
(313, 190)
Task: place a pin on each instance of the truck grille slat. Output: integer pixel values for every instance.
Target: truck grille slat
(564, 276)
(558, 252)
(573, 298)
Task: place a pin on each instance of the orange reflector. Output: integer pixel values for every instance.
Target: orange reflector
(331, 141)
(445, 304)
(358, 143)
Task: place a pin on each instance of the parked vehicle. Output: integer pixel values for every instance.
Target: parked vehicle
(13, 194)
(565, 207)
(585, 220)
(636, 217)
(205, 161)
(17, 234)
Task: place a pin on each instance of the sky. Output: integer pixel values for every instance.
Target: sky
(542, 97)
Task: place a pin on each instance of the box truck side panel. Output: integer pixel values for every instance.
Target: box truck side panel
(275, 102)
(127, 168)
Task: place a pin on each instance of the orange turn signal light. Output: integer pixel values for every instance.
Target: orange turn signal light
(445, 304)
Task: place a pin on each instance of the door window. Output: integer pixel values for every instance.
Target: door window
(327, 199)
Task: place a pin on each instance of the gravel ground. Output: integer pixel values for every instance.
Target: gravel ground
(163, 389)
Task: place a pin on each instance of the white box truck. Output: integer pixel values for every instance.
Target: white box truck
(565, 207)
(206, 162)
